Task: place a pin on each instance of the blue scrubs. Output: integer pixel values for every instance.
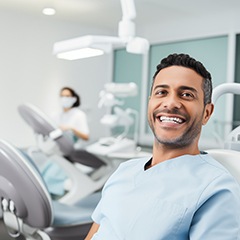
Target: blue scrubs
(188, 197)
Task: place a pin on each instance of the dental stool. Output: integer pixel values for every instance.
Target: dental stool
(68, 157)
(27, 207)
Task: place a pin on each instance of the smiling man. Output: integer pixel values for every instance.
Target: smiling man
(180, 193)
(178, 107)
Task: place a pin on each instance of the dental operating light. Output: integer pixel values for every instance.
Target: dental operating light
(94, 45)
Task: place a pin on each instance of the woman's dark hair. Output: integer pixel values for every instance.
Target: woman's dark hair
(74, 94)
(185, 60)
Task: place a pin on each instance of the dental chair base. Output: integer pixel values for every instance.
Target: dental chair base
(17, 228)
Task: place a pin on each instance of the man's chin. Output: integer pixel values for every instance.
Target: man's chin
(172, 143)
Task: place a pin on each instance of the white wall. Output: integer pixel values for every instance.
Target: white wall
(30, 73)
(190, 27)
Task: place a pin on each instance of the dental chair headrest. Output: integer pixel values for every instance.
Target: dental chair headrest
(22, 184)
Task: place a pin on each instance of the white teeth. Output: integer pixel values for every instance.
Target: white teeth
(171, 119)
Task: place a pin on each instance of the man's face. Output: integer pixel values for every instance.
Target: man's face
(176, 109)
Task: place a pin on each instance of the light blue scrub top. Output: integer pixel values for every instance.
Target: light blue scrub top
(188, 197)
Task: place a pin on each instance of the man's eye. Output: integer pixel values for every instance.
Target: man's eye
(161, 92)
(187, 95)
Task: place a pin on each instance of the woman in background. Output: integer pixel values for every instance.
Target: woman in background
(71, 118)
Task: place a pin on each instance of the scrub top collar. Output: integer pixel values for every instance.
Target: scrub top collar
(149, 162)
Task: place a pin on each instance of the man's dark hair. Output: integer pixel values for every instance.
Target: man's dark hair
(185, 60)
(74, 94)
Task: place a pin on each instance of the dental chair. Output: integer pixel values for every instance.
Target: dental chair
(229, 157)
(27, 207)
(66, 156)
(29, 211)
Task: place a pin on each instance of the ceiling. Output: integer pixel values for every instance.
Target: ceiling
(107, 13)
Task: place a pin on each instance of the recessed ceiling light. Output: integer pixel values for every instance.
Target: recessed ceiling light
(49, 11)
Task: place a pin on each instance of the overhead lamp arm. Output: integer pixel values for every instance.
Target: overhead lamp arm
(89, 46)
(126, 27)
(126, 30)
(128, 9)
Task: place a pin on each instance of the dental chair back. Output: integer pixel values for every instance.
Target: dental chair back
(230, 159)
(42, 125)
(27, 207)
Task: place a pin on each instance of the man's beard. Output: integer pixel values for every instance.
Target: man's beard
(182, 141)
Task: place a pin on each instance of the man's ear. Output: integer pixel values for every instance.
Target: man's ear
(207, 113)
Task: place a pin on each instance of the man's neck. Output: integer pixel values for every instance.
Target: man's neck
(162, 153)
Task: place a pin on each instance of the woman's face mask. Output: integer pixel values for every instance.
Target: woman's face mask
(67, 102)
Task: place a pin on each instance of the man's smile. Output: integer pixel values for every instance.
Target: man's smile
(171, 119)
(168, 118)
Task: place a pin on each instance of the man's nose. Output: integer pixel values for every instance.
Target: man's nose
(172, 101)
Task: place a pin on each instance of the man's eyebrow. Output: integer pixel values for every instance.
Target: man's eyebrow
(161, 86)
(188, 88)
(180, 88)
